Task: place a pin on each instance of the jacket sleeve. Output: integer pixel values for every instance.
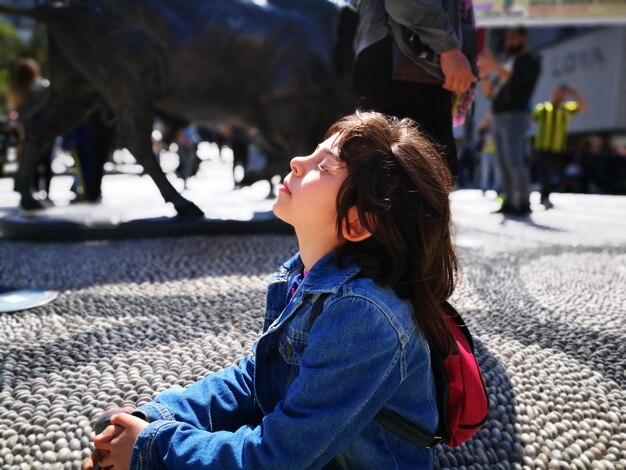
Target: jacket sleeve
(352, 365)
(428, 19)
(222, 400)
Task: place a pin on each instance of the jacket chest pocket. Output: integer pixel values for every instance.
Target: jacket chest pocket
(291, 345)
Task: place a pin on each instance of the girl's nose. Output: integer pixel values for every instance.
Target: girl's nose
(297, 166)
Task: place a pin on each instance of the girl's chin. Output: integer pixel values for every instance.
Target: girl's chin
(278, 213)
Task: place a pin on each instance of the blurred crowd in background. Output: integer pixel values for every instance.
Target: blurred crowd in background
(589, 160)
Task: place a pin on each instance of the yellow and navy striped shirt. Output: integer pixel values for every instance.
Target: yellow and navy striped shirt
(552, 124)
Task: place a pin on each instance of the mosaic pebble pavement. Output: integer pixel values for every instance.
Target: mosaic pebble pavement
(545, 298)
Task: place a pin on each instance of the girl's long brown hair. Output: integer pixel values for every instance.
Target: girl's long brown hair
(400, 185)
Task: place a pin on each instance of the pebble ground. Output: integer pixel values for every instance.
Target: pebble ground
(544, 297)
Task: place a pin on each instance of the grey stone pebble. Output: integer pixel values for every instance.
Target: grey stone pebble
(64, 454)
(61, 443)
(74, 444)
(46, 446)
(49, 457)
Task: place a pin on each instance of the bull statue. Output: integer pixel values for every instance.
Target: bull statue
(282, 67)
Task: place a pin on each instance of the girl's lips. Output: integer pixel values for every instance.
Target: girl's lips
(284, 188)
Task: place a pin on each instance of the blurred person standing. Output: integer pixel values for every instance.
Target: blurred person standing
(187, 140)
(90, 143)
(412, 61)
(28, 93)
(605, 168)
(239, 141)
(510, 85)
(489, 170)
(552, 125)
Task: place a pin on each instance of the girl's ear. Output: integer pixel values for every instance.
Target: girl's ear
(353, 230)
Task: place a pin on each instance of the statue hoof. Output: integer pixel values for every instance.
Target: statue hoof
(31, 204)
(188, 209)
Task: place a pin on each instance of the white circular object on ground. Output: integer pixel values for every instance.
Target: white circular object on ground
(24, 299)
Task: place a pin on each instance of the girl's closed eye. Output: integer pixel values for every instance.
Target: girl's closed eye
(328, 166)
(322, 166)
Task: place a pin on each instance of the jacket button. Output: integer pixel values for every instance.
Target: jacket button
(270, 355)
(288, 350)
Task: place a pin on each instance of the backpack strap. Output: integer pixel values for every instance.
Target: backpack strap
(391, 420)
(456, 316)
(402, 427)
(318, 305)
(452, 403)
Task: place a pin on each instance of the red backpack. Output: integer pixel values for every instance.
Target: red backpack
(461, 394)
(462, 400)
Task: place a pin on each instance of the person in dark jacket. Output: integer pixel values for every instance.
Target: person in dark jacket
(510, 85)
(427, 37)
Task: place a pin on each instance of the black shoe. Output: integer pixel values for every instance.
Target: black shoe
(545, 202)
(505, 209)
(522, 211)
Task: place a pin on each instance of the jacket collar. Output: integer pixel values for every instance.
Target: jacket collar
(325, 276)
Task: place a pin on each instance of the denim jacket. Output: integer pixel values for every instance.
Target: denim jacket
(308, 397)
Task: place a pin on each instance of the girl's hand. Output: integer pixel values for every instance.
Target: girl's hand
(115, 443)
(93, 459)
(98, 454)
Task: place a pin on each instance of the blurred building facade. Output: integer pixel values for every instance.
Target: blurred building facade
(591, 59)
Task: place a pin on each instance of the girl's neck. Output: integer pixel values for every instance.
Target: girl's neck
(314, 248)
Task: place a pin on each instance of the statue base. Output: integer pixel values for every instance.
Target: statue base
(132, 208)
(47, 228)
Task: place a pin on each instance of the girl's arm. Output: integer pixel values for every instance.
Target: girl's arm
(221, 400)
(352, 365)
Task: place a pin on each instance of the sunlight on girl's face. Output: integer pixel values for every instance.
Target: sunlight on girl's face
(307, 200)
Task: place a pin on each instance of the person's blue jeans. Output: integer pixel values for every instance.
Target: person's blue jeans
(489, 172)
(509, 133)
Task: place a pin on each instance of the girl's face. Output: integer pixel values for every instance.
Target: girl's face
(308, 196)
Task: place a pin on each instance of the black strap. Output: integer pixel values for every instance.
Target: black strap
(405, 429)
(318, 305)
(456, 316)
(391, 420)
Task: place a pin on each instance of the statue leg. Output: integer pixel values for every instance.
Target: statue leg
(137, 135)
(54, 119)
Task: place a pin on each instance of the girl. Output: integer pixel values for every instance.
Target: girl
(371, 214)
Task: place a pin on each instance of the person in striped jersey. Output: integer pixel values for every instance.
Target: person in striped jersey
(552, 124)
